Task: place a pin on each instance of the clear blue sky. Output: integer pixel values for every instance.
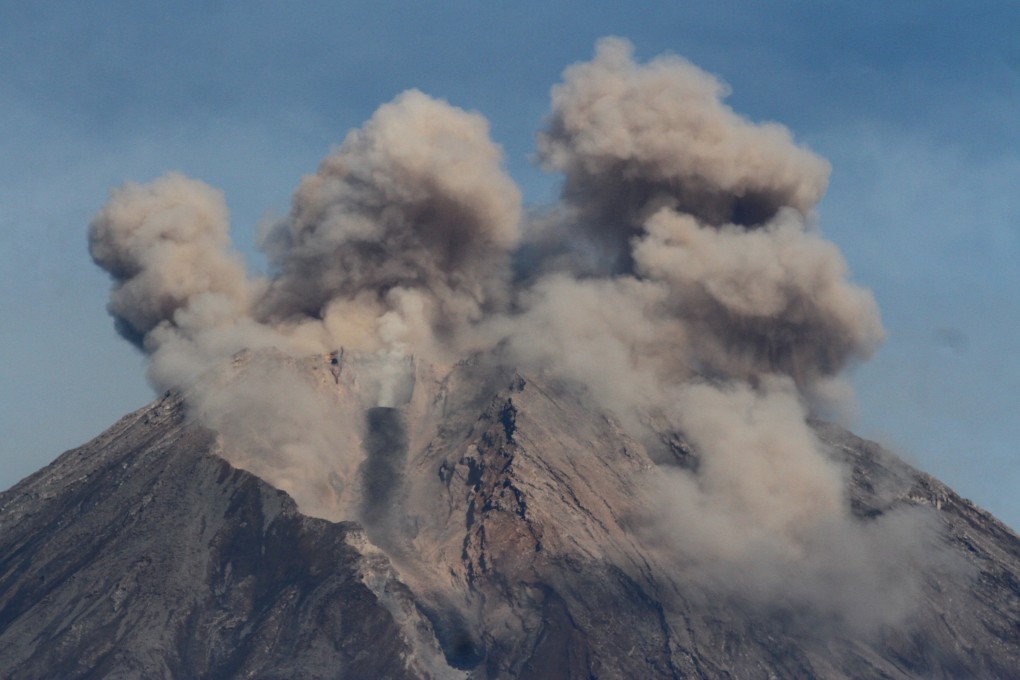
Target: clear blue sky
(916, 104)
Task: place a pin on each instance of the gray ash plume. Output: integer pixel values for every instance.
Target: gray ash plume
(681, 281)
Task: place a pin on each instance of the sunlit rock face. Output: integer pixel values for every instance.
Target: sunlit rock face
(481, 523)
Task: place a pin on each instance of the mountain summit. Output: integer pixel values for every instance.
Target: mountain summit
(505, 532)
(447, 437)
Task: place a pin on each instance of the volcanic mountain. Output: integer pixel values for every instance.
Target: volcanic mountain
(445, 436)
(505, 530)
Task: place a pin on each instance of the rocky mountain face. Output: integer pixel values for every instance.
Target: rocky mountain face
(499, 535)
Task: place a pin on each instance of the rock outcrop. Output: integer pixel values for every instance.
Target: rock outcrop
(499, 538)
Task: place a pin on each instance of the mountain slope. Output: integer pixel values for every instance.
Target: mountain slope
(143, 555)
(503, 537)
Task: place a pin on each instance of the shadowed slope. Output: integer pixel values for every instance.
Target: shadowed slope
(143, 555)
(517, 552)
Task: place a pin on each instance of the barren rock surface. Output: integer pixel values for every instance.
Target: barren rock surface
(499, 541)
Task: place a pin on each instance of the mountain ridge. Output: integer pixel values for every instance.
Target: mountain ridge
(530, 561)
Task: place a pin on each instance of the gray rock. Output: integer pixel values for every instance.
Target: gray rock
(510, 551)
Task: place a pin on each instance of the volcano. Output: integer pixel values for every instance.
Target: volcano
(443, 436)
(502, 534)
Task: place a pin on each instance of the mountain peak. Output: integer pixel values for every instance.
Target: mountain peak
(469, 440)
(499, 525)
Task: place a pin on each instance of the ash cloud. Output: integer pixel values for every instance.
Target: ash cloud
(772, 300)
(412, 216)
(167, 247)
(395, 247)
(681, 279)
(631, 139)
(705, 302)
(650, 240)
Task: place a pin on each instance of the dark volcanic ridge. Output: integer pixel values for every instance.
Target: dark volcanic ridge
(515, 552)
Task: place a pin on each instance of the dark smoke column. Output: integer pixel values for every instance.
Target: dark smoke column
(382, 473)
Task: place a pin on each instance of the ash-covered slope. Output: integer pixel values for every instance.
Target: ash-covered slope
(506, 536)
(143, 555)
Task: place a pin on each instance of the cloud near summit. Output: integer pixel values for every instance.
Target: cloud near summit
(681, 274)
(406, 233)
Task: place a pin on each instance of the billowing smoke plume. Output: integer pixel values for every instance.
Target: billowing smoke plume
(770, 300)
(711, 210)
(681, 280)
(398, 245)
(703, 296)
(633, 138)
(412, 215)
(166, 245)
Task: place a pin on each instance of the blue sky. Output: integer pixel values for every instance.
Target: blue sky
(915, 105)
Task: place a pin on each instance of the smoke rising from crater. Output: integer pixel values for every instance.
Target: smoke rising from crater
(680, 277)
(413, 215)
